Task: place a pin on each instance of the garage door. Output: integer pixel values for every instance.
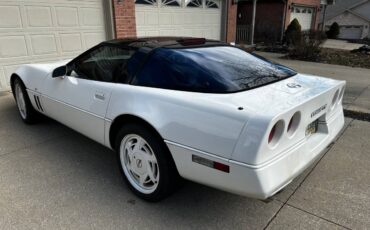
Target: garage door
(196, 18)
(350, 32)
(303, 15)
(42, 31)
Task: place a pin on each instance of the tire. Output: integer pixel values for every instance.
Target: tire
(146, 163)
(26, 111)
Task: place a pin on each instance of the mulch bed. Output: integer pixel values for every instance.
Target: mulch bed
(338, 57)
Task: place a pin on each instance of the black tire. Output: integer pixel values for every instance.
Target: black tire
(30, 115)
(169, 179)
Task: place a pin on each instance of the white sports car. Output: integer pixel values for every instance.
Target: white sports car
(189, 108)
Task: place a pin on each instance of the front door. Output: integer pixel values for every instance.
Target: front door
(80, 99)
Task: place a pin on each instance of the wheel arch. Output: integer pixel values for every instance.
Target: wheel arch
(12, 79)
(124, 119)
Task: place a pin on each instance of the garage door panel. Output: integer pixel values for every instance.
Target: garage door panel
(33, 31)
(10, 17)
(178, 21)
(91, 16)
(70, 42)
(67, 16)
(39, 16)
(13, 46)
(44, 44)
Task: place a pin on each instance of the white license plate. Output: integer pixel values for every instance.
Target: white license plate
(312, 127)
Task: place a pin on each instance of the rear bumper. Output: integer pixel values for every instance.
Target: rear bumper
(258, 181)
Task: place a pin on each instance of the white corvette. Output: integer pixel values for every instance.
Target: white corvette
(189, 108)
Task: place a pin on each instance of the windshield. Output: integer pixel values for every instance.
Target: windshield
(221, 69)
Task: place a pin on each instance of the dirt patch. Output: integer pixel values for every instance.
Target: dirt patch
(338, 57)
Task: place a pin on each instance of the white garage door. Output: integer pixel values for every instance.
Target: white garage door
(350, 32)
(42, 31)
(196, 18)
(303, 15)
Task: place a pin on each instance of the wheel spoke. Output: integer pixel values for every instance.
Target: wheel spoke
(139, 144)
(151, 173)
(142, 179)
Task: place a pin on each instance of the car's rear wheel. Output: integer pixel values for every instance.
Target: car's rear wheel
(26, 111)
(145, 163)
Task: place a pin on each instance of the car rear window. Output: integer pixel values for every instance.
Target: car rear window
(221, 69)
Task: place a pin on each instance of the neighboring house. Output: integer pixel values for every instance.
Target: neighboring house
(50, 30)
(353, 17)
(273, 16)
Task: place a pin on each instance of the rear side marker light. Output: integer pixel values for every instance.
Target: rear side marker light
(212, 164)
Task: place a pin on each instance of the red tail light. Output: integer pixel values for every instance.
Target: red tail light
(272, 133)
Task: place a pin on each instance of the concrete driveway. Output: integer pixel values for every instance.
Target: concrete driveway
(54, 178)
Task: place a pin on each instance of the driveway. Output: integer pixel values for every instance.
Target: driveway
(340, 44)
(54, 178)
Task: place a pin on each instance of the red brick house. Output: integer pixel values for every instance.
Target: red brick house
(273, 16)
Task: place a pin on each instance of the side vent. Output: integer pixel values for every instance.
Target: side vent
(38, 103)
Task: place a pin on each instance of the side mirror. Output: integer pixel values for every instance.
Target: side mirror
(61, 71)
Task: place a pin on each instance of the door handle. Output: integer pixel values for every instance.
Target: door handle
(100, 96)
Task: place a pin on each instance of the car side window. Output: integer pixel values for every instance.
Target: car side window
(105, 63)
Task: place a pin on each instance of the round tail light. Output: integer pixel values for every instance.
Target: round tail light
(335, 98)
(275, 133)
(293, 124)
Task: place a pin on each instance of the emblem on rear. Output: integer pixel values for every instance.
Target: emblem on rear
(293, 85)
(317, 111)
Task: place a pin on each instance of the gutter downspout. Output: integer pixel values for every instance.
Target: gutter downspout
(283, 22)
(253, 21)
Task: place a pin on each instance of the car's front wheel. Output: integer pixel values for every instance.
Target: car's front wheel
(26, 111)
(146, 163)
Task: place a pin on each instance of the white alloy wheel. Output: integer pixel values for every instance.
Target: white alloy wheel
(21, 101)
(139, 163)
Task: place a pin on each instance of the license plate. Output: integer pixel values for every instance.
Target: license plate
(312, 127)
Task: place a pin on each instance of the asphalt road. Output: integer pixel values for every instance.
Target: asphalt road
(54, 178)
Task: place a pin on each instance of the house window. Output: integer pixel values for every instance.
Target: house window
(297, 10)
(171, 2)
(211, 4)
(194, 3)
(309, 11)
(146, 2)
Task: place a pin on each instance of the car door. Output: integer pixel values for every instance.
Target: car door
(80, 99)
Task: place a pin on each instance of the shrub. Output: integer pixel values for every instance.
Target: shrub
(309, 46)
(293, 33)
(334, 30)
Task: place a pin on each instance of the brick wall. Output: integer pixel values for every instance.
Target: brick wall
(231, 21)
(124, 18)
